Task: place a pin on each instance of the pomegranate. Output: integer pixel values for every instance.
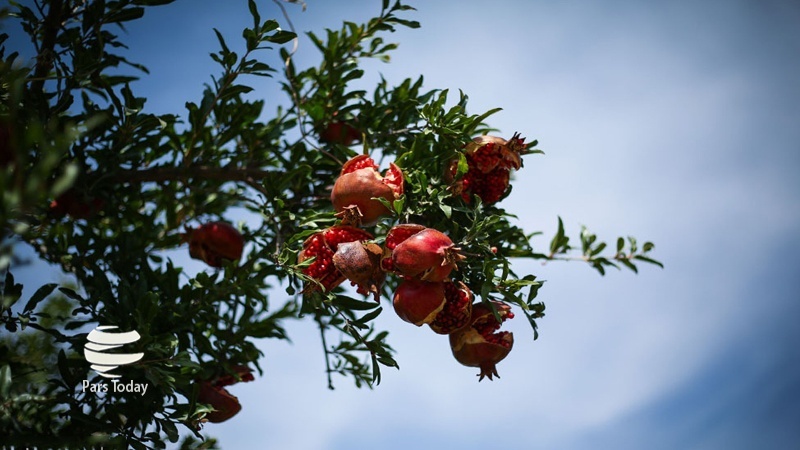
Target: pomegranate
(243, 373)
(339, 133)
(394, 237)
(480, 344)
(323, 245)
(360, 263)
(214, 243)
(360, 182)
(78, 205)
(490, 160)
(224, 403)
(444, 305)
(426, 254)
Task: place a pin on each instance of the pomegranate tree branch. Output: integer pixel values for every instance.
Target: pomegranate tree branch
(44, 61)
(158, 174)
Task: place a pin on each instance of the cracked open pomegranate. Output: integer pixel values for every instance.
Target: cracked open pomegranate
(359, 183)
(360, 263)
(444, 305)
(419, 252)
(322, 245)
(480, 344)
(490, 160)
(214, 243)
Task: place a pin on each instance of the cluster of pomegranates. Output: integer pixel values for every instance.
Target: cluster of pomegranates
(423, 258)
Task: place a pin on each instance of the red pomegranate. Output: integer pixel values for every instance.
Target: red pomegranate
(481, 344)
(358, 183)
(225, 405)
(444, 305)
(419, 252)
(214, 243)
(243, 374)
(322, 245)
(337, 132)
(490, 160)
(213, 392)
(75, 204)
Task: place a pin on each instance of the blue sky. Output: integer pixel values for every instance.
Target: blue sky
(673, 122)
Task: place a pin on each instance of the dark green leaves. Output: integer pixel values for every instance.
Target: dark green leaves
(125, 15)
(39, 295)
(560, 242)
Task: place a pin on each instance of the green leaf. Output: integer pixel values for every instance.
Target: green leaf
(627, 263)
(39, 295)
(620, 244)
(353, 304)
(600, 247)
(649, 260)
(235, 90)
(71, 294)
(446, 209)
(281, 37)
(152, 2)
(376, 369)
(125, 15)
(225, 49)
(370, 316)
(251, 4)
(478, 120)
(555, 244)
(269, 25)
(171, 430)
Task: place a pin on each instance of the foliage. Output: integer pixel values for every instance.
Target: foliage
(75, 127)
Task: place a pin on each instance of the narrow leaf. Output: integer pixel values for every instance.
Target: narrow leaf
(39, 295)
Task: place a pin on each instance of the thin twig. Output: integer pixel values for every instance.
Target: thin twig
(325, 349)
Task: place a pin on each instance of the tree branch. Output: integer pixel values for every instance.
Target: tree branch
(46, 56)
(157, 174)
